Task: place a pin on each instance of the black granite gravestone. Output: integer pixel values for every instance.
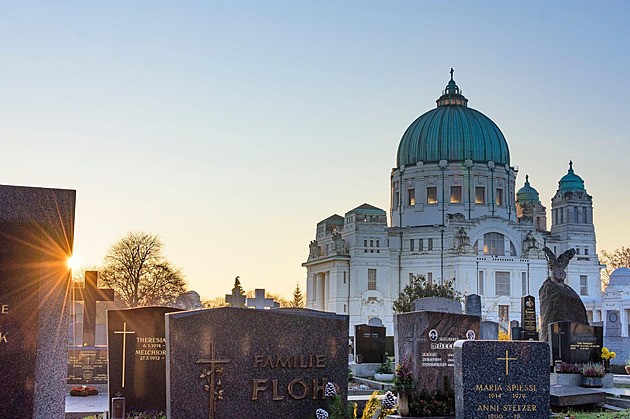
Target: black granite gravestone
(87, 366)
(36, 237)
(425, 339)
(501, 379)
(473, 305)
(528, 318)
(575, 342)
(136, 345)
(234, 362)
(370, 342)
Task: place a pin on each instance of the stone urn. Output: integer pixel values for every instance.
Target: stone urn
(592, 382)
(383, 377)
(403, 404)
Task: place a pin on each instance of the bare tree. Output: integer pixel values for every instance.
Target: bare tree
(214, 302)
(137, 270)
(616, 259)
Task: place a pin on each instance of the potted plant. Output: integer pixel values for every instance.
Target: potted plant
(607, 356)
(404, 384)
(592, 374)
(385, 372)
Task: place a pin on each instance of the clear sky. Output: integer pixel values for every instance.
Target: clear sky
(231, 128)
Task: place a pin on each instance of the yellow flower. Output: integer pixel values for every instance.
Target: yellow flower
(613, 355)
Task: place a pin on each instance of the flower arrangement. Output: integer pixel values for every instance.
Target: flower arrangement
(403, 378)
(83, 391)
(591, 369)
(503, 335)
(565, 368)
(608, 355)
(150, 414)
(385, 368)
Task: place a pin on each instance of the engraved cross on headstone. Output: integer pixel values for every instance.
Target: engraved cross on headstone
(506, 359)
(413, 340)
(213, 375)
(124, 332)
(90, 294)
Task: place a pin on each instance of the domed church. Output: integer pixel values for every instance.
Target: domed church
(455, 213)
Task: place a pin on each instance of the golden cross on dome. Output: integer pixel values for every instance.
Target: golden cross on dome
(506, 361)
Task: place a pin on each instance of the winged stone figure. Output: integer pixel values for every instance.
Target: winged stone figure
(558, 265)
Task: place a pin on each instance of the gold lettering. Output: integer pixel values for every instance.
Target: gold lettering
(268, 362)
(283, 362)
(5, 309)
(258, 388)
(275, 396)
(291, 389)
(319, 361)
(310, 361)
(3, 337)
(258, 359)
(317, 388)
(303, 363)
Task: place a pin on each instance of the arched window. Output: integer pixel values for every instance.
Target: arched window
(494, 244)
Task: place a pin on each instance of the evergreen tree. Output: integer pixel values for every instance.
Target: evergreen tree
(298, 297)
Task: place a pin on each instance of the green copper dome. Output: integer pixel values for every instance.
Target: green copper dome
(453, 132)
(571, 181)
(527, 193)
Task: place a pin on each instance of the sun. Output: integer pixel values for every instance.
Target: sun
(73, 262)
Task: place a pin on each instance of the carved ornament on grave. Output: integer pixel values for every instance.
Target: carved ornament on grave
(212, 376)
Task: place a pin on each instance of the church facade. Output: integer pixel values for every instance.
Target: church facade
(455, 214)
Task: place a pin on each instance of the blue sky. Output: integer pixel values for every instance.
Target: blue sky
(231, 128)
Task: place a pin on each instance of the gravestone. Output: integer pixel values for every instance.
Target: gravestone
(528, 318)
(425, 340)
(489, 330)
(515, 330)
(36, 238)
(501, 379)
(235, 362)
(87, 366)
(370, 343)
(613, 323)
(438, 304)
(90, 294)
(575, 342)
(473, 305)
(260, 302)
(136, 346)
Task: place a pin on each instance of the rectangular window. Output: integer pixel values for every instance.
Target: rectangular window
(396, 198)
(421, 244)
(561, 210)
(411, 244)
(523, 283)
(430, 244)
(378, 243)
(456, 194)
(586, 251)
(583, 285)
(364, 243)
(575, 215)
(584, 216)
(411, 195)
(344, 308)
(430, 277)
(432, 195)
(371, 243)
(502, 283)
(481, 285)
(371, 279)
(480, 195)
(499, 197)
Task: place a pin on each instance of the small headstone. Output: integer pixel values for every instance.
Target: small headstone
(473, 305)
(514, 330)
(90, 294)
(438, 304)
(235, 362)
(87, 366)
(136, 346)
(613, 323)
(36, 237)
(501, 379)
(489, 330)
(375, 321)
(575, 342)
(260, 302)
(370, 342)
(425, 339)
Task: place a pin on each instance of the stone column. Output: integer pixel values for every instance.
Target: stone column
(319, 291)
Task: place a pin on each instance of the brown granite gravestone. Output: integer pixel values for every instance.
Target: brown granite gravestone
(425, 339)
(232, 362)
(36, 237)
(90, 294)
(136, 346)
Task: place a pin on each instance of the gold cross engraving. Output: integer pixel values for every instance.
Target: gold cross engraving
(506, 361)
(212, 376)
(124, 332)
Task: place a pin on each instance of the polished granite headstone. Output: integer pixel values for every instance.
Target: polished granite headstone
(501, 379)
(473, 305)
(370, 342)
(575, 342)
(425, 339)
(36, 237)
(233, 362)
(613, 323)
(439, 304)
(489, 330)
(87, 366)
(136, 345)
(528, 318)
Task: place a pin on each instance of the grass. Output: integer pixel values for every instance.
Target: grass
(596, 415)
